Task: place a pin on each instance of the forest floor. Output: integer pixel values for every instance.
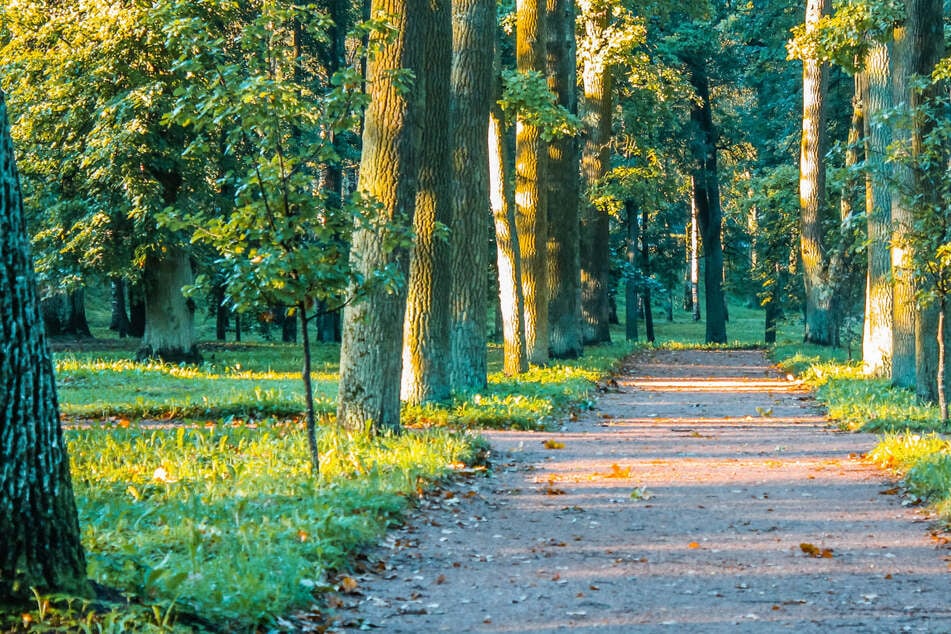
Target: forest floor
(705, 492)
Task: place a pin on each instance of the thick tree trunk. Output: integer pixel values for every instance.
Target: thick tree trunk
(694, 257)
(169, 315)
(136, 309)
(370, 353)
(64, 314)
(40, 547)
(564, 272)
(531, 210)
(472, 82)
(511, 299)
(709, 213)
(819, 317)
(597, 110)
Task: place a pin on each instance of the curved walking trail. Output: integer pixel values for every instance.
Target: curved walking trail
(704, 493)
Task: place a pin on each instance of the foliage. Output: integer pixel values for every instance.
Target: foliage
(526, 96)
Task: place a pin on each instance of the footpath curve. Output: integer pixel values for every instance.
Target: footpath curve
(706, 493)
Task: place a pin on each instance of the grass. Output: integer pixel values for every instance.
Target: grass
(196, 502)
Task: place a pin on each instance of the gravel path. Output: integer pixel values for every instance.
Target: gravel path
(704, 493)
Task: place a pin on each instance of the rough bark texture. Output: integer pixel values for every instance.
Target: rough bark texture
(903, 283)
(372, 337)
(473, 42)
(596, 106)
(877, 333)
(509, 258)
(564, 268)
(426, 346)
(706, 189)
(40, 546)
(820, 322)
(531, 211)
(169, 315)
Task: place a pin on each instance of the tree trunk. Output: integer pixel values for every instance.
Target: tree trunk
(169, 316)
(64, 314)
(646, 272)
(597, 109)
(877, 339)
(222, 314)
(709, 213)
(136, 309)
(819, 318)
(694, 257)
(904, 304)
(426, 347)
(630, 284)
(564, 272)
(40, 547)
(370, 353)
(511, 299)
(472, 82)
(531, 211)
(119, 322)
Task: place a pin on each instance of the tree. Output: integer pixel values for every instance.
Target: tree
(474, 28)
(564, 273)
(372, 338)
(531, 211)
(426, 348)
(40, 546)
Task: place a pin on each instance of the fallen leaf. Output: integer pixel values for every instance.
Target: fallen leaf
(349, 585)
(553, 444)
(441, 579)
(891, 491)
(693, 545)
(814, 551)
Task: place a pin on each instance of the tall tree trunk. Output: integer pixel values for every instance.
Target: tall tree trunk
(426, 347)
(597, 111)
(694, 256)
(564, 272)
(819, 312)
(531, 211)
(630, 284)
(222, 313)
(709, 213)
(877, 339)
(509, 258)
(169, 315)
(904, 304)
(40, 547)
(136, 309)
(64, 314)
(472, 83)
(370, 353)
(646, 272)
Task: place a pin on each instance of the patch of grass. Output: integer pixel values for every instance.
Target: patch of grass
(227, 524)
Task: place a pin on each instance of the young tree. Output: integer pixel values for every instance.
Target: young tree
(40, 546)
(372, 340)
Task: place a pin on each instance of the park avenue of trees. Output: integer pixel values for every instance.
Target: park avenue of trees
(400, 176)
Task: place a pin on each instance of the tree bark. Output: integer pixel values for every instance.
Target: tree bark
(509, 258)
(564, 269)
(136, 309)
(709, 213)
(372, 337)
(597, 109)
(472, 82)
(41, 545)
(819, 317)
(531, 211)
(169, 315)
(119, 322)
(694, 257)
(646, 272)
(426, 347)
(630, 284)
(877, 332)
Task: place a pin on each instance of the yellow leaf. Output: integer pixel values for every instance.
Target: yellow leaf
(349, 585)
(553, 444)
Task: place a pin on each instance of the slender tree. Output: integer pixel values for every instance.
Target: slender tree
(40, 546)
(372, 337)
(472, 81)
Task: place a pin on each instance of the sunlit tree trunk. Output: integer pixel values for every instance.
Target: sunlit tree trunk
(40, 547)
(472, 83)
(564, 273)
(877, 332)
(372, 337)
(820, 322)
(630, 284)
(531, 211)
(596, 112)
(426, 348)
(169, 315)
(694, 256)
(509, 257)
(709, 213)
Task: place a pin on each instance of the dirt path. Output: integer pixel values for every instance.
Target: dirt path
(682, 503)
